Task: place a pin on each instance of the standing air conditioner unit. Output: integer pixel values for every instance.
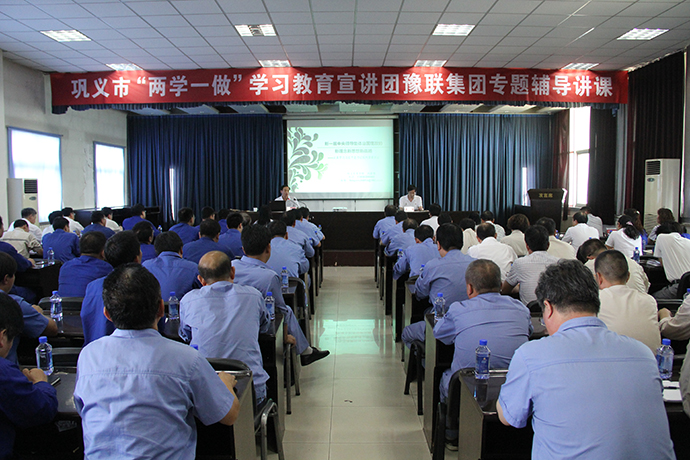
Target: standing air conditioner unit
(21, 193)
(661, 189)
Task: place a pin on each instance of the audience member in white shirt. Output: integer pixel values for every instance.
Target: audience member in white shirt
(592, 220)
(74, 226)
(411, 199)
(469, 237)
(109, 222)
(625, 311)
(673, 251)
(488, 216)
(557, 247)
(626, 238)
(580, 231)
(589, 251)
(488, 248)
(663, 215)
(517, 223)
(30, 216)
(434, 212)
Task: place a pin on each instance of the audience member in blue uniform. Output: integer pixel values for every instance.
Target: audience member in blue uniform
(27, 398)
(252, 270)
(138, 215)
(76, 274)
(209, 231)
(23, 263)
(224, 319)
(138, 393)
(264, 215)
(445, 276)
(385, 223)
(123, 248)
(403, 240)
(223, 220)
(306, 226)
(185, 226)
(98, 223)
(174, 273)
(232, 239)
(64, 243)
(35, 324)
(589, 392)
(418, 254)
(285, 253)
(390, 232)
(298, 236)
(144, 234)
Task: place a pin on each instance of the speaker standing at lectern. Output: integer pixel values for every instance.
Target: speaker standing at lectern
(290, 201)
(411, 199)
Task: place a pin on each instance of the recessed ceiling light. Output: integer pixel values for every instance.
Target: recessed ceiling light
(265, 30)
(122, 67)
(458, 30)
(580, 66)
(428, 63)
(642, 34)
(274, 63)
(66, 35)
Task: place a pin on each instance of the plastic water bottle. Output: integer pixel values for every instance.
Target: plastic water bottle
(51, 255)
(636, 255)
(284, 279)
(271, 305)
(44, 355)
(664, 358)
(439, 307)
(56, 307)
(481, 364)
(173, 307)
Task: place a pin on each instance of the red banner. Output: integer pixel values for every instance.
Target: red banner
(341, 84)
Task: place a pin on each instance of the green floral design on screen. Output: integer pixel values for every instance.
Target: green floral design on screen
(303, 163)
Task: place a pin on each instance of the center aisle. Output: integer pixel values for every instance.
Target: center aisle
(352, 403)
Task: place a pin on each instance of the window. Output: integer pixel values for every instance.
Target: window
(36, 155)
(109, 166)
(578, 157)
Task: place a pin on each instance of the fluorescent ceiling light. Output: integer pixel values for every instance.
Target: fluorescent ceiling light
(265, 30)
(428, 63)
(122, 67)
(642, 34)
(274, 63)
(458, 30)
(580, 66)
(66, 35)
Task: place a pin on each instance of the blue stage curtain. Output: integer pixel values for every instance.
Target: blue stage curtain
(223, 161)
(475, 162)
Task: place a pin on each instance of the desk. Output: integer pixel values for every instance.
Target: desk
(413, 309)
(439, 357)
(655, 273)
(43, 278)
(388, 283)
(399, 305)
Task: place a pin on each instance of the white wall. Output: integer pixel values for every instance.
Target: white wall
(27, 105)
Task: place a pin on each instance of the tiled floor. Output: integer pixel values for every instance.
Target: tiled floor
(352, 404)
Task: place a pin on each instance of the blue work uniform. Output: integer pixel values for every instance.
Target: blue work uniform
(64, 244)
(173, 273)
(148, 252)
(130, 222)
(390, 232)
(311, 230)
(400, 241)
(414, 257)
(232, 239)
(34, 325)
(138, 394)
(253, 272)
(23, 263)
(186, 232)
(285, 253)
(302, 240)
(195, 250)
(93, 322)
(382, 225)
(76, 274)
(98, 228)
(223, 226)
(590, 392)
(501, 320)
(224, 320)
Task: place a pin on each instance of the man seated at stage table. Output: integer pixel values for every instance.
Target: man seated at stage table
(297, 236)
(488, 217)
(589, 392)
(385, 223)
(209, 232)
(65, 244)
(580, 232)
(589, 251)
(434, 212)
(30, 216)
(469, 236)
(35, 324)
(525, 271)
(445, 275)
(302, 223)
(232, 239)
(488, 248)
(393, 230)
(109, 222)
(98, 224)
(22, 240)
(403, 240)
(518, 224)
(673, 251)
(139, 393)
(417, 255)
(74, 226)
(252, 270)
(27, 399)
(77, 273)
(411, 199)
(185, 226)
(174, 273)
(285, 253)
(557, 247)
(225, 319)
(290, 201)
(138, 215)
(624, 310)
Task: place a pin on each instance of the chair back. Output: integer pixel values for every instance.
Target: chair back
(683, 285)
(65, 357)
(535, 308)
(68, 303)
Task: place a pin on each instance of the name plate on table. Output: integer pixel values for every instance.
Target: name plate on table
(408, 208)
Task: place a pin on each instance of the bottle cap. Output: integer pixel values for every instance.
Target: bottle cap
(195, 346)
(50, 248)
(482, 342)
(666, 342)
(269, 293)
(43, 339)
(284, 268)
(55, 292)
(439, 294)
(172, 293)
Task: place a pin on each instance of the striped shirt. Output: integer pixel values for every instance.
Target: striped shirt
(526, 270)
